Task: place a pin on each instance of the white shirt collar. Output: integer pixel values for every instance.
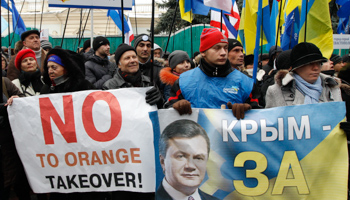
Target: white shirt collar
(177, 194)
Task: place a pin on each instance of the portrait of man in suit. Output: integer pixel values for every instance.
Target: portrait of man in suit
(184, 150)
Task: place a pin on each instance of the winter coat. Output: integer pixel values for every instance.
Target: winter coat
(168, 79)
(98, 70)
(29, 84)
(345, 94)
(13, 72)
(75, 75)
(118, 82)
(284, 92)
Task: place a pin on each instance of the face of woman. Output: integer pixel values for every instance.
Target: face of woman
(29, 64)
(3, 63)
(182, 67)
(55, 70)
(309, 72)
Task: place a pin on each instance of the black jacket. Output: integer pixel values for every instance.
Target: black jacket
(98, 70)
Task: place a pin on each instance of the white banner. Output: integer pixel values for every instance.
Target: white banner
(341, 41)
(85, 141)
(100, 4)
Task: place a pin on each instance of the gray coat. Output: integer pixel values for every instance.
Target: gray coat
(118, 82)
(99, 70)
(284, 92)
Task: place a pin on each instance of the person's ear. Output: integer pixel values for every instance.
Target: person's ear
(161, 158)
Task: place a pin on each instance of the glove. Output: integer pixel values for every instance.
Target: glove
(346, 128)
(153, 96)
(183, 107)
(238, 109)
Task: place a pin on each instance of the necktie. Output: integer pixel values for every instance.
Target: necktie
(190, 198)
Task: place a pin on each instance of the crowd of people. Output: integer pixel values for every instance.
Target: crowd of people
(218, 76)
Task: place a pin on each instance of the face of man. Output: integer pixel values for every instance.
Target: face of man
(338, 66)
(103, 51)
(309, 72)
(143, 50)
(157, 53)
(32, 42)
(327, 66)
(236, 56)
(185, 163)
(128, 62)
(217, 54)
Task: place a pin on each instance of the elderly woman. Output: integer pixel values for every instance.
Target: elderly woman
(303, 84)
(179, 62)
(29, 81)
(63, 72)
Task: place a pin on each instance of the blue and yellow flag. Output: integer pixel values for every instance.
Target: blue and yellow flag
(290, 36)
(318, 25)
(187, 16)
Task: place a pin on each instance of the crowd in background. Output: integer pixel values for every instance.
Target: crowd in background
(219, 75)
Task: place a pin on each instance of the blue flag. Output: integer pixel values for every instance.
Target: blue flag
(116, 16)
(197, 7)
(344, 10)
(18, 25)
(291, 32)
(5, 5)
(343, 26)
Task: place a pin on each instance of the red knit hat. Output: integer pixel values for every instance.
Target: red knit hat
(25, 53)
(210, 37)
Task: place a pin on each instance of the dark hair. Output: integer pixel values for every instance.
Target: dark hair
(181, 128)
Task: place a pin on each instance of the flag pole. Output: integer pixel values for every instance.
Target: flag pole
(152, 39)
(135, 19)
(307, 1)
(42, 13)
(14, 30)
(221, 21)
(35, 14)
(191, 37)
(78, 34)
(171, 27)
(122, 20)
(279, 21)
(65, 26)
(92, 28)
(261, 35)
(82, 34)
(8, 19)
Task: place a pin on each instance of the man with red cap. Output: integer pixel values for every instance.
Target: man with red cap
(214, 82)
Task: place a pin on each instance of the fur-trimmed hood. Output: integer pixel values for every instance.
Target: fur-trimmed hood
(167, 77)
(284, 77)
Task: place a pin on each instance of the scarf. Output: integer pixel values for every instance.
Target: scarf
(312, 92)
(134, 79)
(216, 70)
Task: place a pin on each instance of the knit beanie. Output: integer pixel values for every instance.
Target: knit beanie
(232, 43)
(121, 49)
(345, 58)
(46, 44)
(99, 41)
(86, 44)
(27, 33)
(177, 57)
(336, 59)
(25, 53)
(210, 37)
(142, 37)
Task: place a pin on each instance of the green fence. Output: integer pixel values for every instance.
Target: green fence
(181, 40)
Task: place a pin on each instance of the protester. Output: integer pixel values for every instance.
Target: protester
(158, 51)
(18, 46)
(263, 59)
(304, 84)
(63, 72)
(165, 57)
(273, 53)
(337, 63)
(184, 148)
(46, 45)
(98, 69)
(248, 65)
(328, 68)
(29, 81)
(12, 169)
(4, 65)
(235, 54)
(87, 50)
(179, 62)
(129, 75)
(142, 45)
(214, 82)
(31, 40)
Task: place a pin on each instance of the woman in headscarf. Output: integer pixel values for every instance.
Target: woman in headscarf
(64, 72)
(29, 81)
